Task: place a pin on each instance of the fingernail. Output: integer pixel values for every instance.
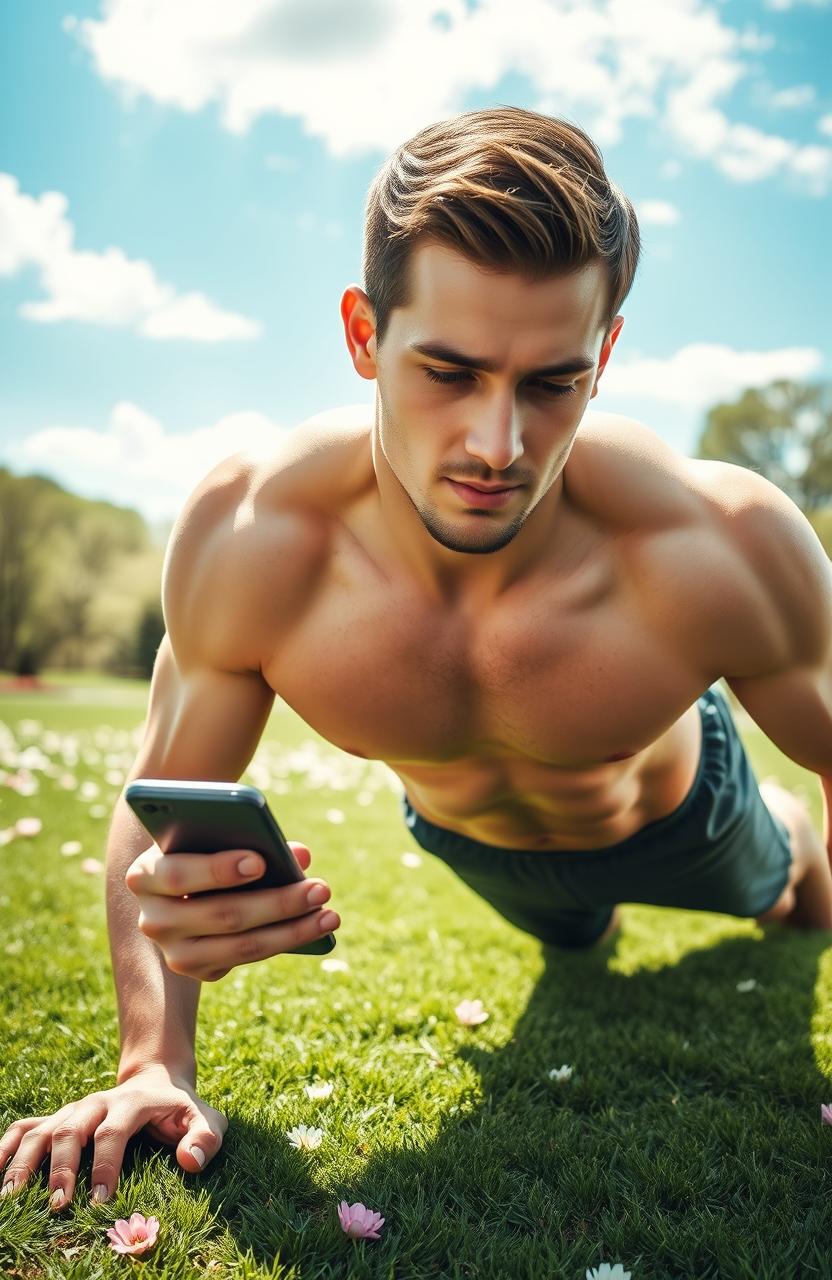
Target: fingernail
(317, 895)
(328, 921)
(249, 866)
(198, 1155)
(100, 1192)
(57, 1198)
(8, 1187)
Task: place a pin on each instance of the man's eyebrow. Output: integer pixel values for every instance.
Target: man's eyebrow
(438, 351)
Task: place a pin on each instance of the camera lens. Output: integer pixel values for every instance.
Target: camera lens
(150, 808)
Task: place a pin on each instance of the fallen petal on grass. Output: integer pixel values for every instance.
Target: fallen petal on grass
(607, 1272)
(305, 1137)
(322, 1090)
(28, 826)
(826, 1113)
(560, 1073)
(470, 1013)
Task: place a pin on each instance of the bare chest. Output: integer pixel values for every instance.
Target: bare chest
(570, 678)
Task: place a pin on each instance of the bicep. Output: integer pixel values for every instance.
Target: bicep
(202, 722)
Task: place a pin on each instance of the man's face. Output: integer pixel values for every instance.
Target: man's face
(501, 422)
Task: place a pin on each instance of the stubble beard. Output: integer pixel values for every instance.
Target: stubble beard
(478, 542)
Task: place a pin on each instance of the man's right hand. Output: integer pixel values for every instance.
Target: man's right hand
(205, 938)
(153, 1098)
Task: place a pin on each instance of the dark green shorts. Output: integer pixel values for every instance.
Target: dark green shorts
(720, 850)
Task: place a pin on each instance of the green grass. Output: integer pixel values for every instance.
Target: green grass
(687, 1143)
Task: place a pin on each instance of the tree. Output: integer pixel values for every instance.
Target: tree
(55, 550)
(784, 432)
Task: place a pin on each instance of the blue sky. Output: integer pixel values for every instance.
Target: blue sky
(182, 190)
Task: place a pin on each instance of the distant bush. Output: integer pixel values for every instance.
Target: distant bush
(135, 652)
(149, 635)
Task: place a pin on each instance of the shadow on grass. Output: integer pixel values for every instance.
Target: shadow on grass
(686, 1143)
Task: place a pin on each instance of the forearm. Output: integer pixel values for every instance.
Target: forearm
(156, 1008)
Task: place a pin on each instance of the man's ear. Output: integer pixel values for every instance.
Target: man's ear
(609, 342)
(359, 330)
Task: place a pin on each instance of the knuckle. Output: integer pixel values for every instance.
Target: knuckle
(226, 915)
(128, 1096)
(175, 876)
(177, 964)
(107, 1131)
(250, 946)
(148, 927)
(65, 1132)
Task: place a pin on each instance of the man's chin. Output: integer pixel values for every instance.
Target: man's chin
(480, 544)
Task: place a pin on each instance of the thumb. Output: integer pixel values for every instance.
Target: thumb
(199, 1145)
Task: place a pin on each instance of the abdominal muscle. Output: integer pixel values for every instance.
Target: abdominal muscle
(510, 804)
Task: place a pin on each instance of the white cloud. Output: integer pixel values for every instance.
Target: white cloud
(702, 373)
(137, 462)
(800, 95)
(658, 213)
(355, 74)
(105, 288)
(742, 152)
(825, 125)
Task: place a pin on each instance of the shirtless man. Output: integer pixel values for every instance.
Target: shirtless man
(521, 606)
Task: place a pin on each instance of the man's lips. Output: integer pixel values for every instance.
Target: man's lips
(483, 488)
(474, 495)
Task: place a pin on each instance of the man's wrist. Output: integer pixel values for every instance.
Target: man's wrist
(180, 1068)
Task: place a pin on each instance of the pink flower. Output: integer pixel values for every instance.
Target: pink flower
(470, 1012)
(826, 1113)
(358, 1221)
(136, 1236)
(28, 826)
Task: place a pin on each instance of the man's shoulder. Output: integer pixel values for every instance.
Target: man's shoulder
(630, 476)
(312, 467)
(253, 538)
(695, 529)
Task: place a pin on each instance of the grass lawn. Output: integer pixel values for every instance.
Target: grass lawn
(686, 1143)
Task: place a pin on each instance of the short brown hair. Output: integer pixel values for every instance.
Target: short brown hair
(511, 189)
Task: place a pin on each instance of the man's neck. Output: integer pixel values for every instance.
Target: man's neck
(458, 578)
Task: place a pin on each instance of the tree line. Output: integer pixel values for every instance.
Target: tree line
(80, 580)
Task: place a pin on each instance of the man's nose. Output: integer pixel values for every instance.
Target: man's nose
(496, 436)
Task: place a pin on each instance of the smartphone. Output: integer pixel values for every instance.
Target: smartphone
(206, 817)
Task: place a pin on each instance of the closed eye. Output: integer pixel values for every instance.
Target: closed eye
(548, 388)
